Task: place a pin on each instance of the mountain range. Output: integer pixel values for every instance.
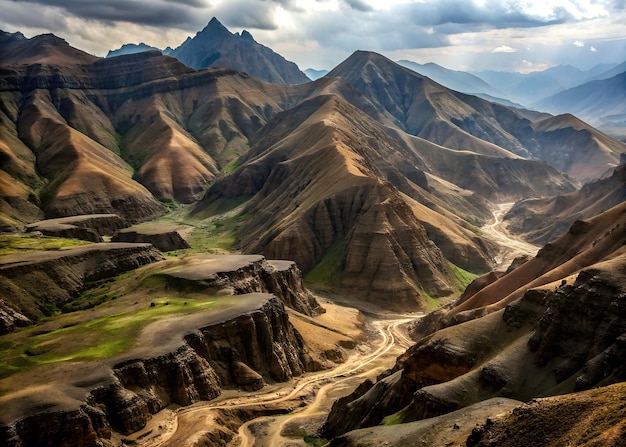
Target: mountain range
(215, 46)
(557, 90)
(378, 180)
(371, 137)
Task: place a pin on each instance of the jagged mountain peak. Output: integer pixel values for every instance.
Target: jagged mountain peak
(214, 29)
(245, 35)
(216, 46)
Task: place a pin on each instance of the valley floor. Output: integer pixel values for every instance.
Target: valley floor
(286, 413)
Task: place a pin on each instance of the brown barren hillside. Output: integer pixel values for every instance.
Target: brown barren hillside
(458, 121)
(596, 157)
(314, 193)
(586, 243)
(563, 335)
(540, 220)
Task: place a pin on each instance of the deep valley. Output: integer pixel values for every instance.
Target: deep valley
(200, 246)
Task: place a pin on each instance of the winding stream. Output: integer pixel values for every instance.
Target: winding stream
(512, 247)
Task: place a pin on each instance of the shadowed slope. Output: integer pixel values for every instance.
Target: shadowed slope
(85, 177)
(595, 156)
(318, 180)
(541, 220)
(459, 121)
(556, 336)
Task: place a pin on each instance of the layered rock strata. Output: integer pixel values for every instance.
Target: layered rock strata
(39, 282)
(238, 274)
(165, 239)
(551, 341)
(89, 227)
(253, 339)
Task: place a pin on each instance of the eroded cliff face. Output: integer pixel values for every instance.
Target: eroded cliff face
(39, 282)
(237, 274)
(551, 341)
(261, 345)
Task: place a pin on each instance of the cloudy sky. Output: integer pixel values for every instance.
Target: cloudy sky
(511, 35)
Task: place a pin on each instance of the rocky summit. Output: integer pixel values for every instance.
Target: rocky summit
(201, 246)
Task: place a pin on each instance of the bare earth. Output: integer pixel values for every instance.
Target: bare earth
(306, 399)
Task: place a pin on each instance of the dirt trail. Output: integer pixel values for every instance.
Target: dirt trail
(320, 389)
(512, 246)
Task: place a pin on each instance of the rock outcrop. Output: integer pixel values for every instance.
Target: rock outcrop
(252, 347)
(590, 418)
(166, 238)
(237, 274)
(551, 341)
(90, 227)
(41, 282)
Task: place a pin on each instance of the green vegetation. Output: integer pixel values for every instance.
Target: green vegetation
(325, 271)
(99, 338)
(230, 167)
(222, 206)
(393, 419)
(431, 303)
(315, 442)
(217, 235)
(463, 277)
(12, 244)
(233, 149)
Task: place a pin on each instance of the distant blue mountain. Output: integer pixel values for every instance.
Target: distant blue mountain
(215, 46)
(314, 74)
(131, 48)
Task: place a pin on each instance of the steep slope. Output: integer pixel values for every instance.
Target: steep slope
(541, 220)
(414, 102)
(84, 177)
(590, 418)
(215, 46)
(596, 153)
(143, 108)
(459, 121)
(318, 188)
(560, 336)
(598, 102)
(43, 49)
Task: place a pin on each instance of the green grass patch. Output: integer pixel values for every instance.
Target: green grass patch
(230, 167)
(315, 442)
(328, 268)
(393, 419)
(463, 277)
(221, 206)
(431, 303)
(234, 149)
(96, 339)
(217, 235)
(12, 244)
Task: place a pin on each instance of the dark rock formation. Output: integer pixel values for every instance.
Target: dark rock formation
(215, 46)
(245, 351)
(90, 227)
(43, 281)
(249, 274)
(165, 240)
(590, 418)
(548, 342)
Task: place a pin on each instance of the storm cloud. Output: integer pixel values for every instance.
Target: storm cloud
(320, 33)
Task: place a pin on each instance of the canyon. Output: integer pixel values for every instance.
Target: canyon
(202, 256)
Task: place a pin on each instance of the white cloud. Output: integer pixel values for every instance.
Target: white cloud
(504, 49)
(593, 49)
(579, 43)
